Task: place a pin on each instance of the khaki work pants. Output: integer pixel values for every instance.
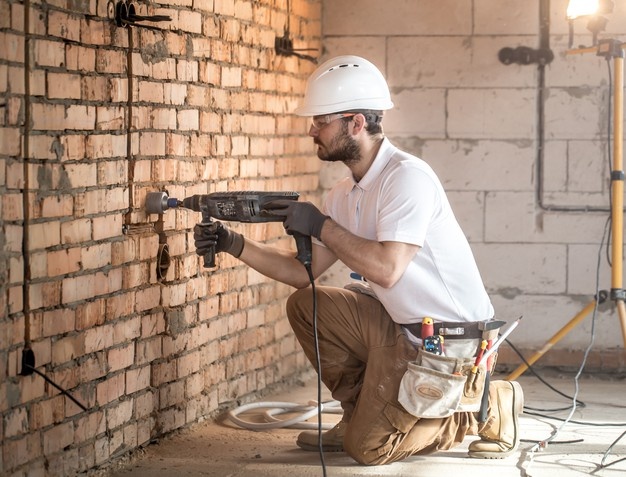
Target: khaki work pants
(363, 355)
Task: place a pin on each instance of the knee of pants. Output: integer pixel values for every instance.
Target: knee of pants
(361, 456)
(298, 304)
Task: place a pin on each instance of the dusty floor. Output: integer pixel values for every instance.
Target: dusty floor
(226, 450)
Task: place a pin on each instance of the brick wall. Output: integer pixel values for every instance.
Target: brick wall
(104, 115)
(476, 122)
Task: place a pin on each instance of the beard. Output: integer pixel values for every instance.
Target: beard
(342, 148)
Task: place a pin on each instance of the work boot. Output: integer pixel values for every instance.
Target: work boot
(499, 435)
(332, 440)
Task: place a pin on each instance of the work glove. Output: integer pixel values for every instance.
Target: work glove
(205, 235)
(299, 217)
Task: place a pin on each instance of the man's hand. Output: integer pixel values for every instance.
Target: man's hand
(214, 233)
(300, 217)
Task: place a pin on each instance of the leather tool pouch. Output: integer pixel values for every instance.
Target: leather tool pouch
(437, 386)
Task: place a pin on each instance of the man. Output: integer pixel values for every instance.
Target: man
(391, 223)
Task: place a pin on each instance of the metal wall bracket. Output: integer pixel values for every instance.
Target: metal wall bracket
(523, 55)
(125, 15)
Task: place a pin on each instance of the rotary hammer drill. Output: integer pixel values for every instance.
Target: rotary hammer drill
(243, 206)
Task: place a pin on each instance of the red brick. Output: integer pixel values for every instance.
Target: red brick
(47, 412)
(191, 21)
(148, 350)
(118, 89)
(110, 118)
(95, 32)
(119, 414)
(31, 388)
(80, 117)
(109, 61)
(118, 306)
(89, 426)
(63, 86)
(121, 357)
(62, 262)
(60, 205)
(75, 231)
(93, 202)
(194, 385)
(13, 47)
(171, 394)
(137, 379)
(60, 436)
(44, 294)
(68, 348)
(95, 256)
(60, 321)
(165, 70)
(175, 94)
(147, 298)
(153, 324)
(102, 450)
(150, 91)
(43, 235)
(62, 463)
(99, 338)
(62, 25)
(107, 226)
(81, 175)
(135, 275)
(90, 314)
(124, 251)
(110, 390)
(174, 295)
(20, 451)
(188, 120)
(80, 58)
(152, 144)
(12, 206)
(15, 422)
(145, 404)
(188, 364)
(130, 433)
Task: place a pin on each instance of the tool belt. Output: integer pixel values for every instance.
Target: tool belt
(452, 329)
(438, 385)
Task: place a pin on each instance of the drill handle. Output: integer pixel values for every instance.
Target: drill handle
(209, 256)
(304, 247)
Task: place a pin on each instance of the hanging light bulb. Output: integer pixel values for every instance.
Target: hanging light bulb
(592, 10)
(580, 8)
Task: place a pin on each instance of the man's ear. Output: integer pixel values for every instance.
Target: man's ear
(359, 124)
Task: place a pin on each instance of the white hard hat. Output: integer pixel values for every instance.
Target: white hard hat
(345, 83)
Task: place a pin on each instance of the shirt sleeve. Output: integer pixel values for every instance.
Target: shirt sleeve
(409, 202)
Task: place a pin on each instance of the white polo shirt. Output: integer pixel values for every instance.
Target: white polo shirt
(400, 199)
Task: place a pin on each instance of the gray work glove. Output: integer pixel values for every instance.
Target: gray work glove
(299, 217)
(206, 235)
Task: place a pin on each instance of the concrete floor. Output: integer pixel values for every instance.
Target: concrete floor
(226, 450)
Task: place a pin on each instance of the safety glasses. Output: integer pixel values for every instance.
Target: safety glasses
(318, 122)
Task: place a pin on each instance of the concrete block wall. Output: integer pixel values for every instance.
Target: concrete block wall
(92, 117)
(479, 123)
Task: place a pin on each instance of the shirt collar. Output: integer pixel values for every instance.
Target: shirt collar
(380, 162)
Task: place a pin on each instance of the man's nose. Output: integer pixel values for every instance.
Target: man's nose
(313, 131)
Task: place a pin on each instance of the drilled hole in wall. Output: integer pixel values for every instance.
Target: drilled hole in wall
(163, 261)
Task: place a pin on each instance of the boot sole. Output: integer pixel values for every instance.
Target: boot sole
(315, 448)
(517, 408)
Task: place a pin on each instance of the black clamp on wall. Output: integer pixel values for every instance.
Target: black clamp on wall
(283, 46)
(125, 15)
(523, 55)
(610, 49)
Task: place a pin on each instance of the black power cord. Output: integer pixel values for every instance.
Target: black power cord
(28, 368)
(318, 365)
